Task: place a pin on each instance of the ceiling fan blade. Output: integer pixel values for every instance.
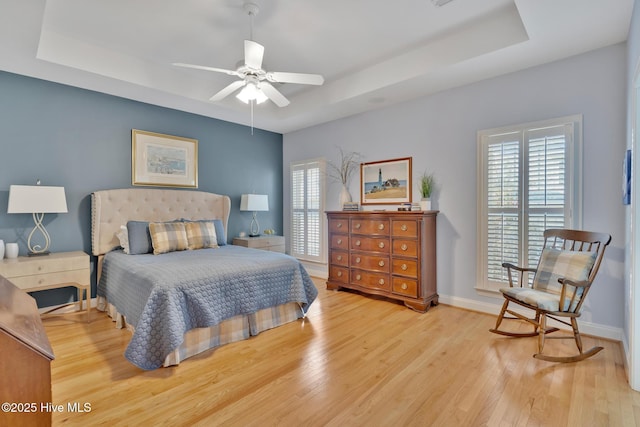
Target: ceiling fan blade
(274, 94)
(299, 78)
(228, 90)
(203, 67)
(253, 53)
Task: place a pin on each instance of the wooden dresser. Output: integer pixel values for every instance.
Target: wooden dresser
(392, 254)
(25, 362)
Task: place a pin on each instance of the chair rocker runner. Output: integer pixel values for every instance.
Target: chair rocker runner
(568, 264)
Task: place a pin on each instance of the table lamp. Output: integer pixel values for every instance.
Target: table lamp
(255, 203)
(37, 200)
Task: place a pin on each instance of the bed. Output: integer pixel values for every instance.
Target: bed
(181, 302)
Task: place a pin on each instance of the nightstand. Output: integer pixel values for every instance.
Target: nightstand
(53, 271)
(266, 242)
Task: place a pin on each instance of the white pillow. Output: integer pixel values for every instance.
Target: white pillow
(123, 237)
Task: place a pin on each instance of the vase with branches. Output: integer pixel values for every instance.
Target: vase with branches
(427, 183)
(342, 172)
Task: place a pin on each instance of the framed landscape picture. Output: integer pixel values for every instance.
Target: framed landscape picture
(386, 182)
(163, 160)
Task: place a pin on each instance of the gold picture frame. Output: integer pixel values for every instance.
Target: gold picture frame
(163, 160)
(387, 182)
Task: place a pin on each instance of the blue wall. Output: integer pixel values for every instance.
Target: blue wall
(81, 140)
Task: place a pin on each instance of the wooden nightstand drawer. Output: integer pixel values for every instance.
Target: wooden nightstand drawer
(265, 242)
(25, 266)
(53, 271)
(45, 281)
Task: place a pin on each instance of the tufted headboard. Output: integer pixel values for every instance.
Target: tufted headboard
(112, 208)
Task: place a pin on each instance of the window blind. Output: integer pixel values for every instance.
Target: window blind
(306, 210)
(526, 178)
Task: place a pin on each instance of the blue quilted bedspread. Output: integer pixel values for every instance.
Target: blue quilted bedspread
(164, 296)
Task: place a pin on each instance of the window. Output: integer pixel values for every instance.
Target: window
(529, 179)
(307, 208)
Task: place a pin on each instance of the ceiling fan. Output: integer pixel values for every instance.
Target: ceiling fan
(254, 80)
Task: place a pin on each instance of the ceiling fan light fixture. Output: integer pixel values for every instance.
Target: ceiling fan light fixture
(251, 93)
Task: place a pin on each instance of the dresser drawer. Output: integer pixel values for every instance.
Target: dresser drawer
(405, 228)
(370, 227)
(370, 244)
(52, 279)
(339, 225)
(403, 286)
(339, 274)
(340, 241)
(405, 267)
(407, 248)
(370, 280)
(370, 262)
(340, 258)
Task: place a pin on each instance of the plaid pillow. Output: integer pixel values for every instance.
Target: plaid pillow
(168, 237)
(201, 234)
(555, 264)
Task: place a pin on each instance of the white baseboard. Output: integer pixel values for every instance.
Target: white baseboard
(588, 328)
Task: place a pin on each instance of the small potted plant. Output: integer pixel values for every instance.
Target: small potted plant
(427, 182)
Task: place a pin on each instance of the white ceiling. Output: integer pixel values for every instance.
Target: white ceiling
(372, 53)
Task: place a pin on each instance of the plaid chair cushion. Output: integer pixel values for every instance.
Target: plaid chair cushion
(168, 237)
(201, 234)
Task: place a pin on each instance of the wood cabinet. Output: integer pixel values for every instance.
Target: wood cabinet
(25, 365)
(57, 270)
(266, 242)
(385, 253)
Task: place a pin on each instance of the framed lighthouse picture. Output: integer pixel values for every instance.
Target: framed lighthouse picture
(387, 182)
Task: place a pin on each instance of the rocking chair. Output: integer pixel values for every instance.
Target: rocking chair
(567, 267)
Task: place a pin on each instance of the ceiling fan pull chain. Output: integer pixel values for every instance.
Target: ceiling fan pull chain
(251, 102)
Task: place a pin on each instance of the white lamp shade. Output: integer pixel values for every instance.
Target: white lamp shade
(254, 202)
(36, 199)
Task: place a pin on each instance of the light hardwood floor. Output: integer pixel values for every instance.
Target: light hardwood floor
(353, 361)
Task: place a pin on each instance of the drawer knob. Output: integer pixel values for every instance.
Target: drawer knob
(357, 226)
(358, 277)
(404, 267)
(339, 225)
(39, 268)
(381, 245)
(404, 286)
(380, 226)
(403, 227)
(339, 273)
(381, 281)
(357, 242)
(357, 260)
(381, 263)
(404, 247)
(339, 257)
(339, 241)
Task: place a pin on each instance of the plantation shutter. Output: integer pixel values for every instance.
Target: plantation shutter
(526, 186)
(306, 210)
